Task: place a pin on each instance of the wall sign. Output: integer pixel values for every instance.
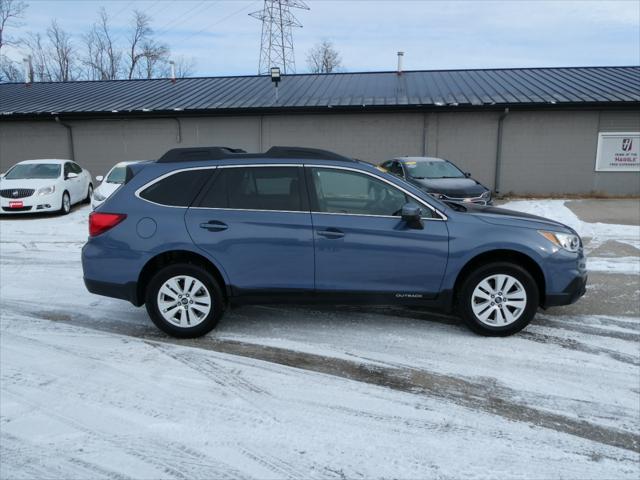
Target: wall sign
(618, 152)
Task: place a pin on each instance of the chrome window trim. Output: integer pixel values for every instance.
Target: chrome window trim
(306, 212)
(442, 216)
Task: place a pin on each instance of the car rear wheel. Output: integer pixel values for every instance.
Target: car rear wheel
(89, 194)
(65, 207)
(184, 300)
(498, 299)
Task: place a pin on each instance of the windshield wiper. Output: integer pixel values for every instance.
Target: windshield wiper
(456, 206)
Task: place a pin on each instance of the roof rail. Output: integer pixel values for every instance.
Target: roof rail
(198, 153)
(222, 153)
(304, 152)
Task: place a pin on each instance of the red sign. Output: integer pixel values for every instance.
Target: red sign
(16, 204)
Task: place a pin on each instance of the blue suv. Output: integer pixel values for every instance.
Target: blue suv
(202, 228)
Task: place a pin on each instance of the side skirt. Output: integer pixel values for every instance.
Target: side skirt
(440, 302)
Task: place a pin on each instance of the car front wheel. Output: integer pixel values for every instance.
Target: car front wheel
(184, 300)
(498, 299)
(65, 206)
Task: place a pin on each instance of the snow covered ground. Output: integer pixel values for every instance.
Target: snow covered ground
(90, 389)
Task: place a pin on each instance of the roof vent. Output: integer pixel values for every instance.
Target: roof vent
(26, 62)
(400, 57)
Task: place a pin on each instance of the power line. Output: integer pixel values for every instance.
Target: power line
(179, 20)
(223, 19)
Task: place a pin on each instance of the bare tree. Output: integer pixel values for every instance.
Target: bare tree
(102, 58)
(41, 67)
(140, 34)
(154, 61)
(324, 58)
(184, 66)
(9, 70)
(62, 54)
(11, 11)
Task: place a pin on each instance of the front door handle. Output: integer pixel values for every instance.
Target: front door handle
(214, 226)
(331, 233)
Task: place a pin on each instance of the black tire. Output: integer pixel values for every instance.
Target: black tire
(209, 282)
(464, 299)
(65, 208)
(89, 194)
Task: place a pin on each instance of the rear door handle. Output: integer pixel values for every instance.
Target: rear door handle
(214, 226)
(331, 233)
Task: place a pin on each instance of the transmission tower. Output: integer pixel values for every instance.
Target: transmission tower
(276, 48)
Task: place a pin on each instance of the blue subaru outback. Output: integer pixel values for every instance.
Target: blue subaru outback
(203, 228)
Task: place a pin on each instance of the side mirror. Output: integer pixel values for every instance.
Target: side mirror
(467, 174)
(99, 178)
(72, 175)
(412, 215)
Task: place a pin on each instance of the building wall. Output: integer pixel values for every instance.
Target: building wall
(542, 152)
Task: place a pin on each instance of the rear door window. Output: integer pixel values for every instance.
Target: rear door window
(178, 189)
(257, 188)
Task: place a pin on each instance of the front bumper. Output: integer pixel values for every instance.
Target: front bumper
(95, 203)
(576, 289)
(32, 204)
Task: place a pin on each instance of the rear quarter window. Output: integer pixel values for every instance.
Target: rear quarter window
(178, 189)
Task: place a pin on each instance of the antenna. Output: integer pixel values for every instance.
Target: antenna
(276, 47)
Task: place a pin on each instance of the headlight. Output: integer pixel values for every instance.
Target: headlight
(568, 241)
(98, 196)
(47, 190)
(486, 194)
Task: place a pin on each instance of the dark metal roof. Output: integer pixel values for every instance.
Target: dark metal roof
(376, 90)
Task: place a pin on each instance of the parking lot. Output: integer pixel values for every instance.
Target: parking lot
(317, 392)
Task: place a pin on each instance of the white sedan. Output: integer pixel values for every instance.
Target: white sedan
(109, 183)
(50, 185)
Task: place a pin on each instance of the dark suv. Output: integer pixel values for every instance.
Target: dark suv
(440, 178)
(201, 228)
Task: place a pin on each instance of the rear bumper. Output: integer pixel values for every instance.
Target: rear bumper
(576, 289)
(127, 291)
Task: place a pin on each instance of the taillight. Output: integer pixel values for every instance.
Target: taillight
(101, 222)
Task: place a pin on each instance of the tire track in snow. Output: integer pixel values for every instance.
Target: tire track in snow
(571, 344)
(488, 397)
(177, 460)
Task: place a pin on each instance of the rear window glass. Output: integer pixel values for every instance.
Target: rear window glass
(179, 189)
(256, 188)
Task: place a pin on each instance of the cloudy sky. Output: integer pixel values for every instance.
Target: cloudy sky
(224, 40)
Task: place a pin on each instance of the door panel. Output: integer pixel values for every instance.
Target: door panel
(259, 250)
(255, 222)
(361, 243)
(378, 254)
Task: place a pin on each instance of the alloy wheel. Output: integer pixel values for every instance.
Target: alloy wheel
(184, 301)
(498, 300)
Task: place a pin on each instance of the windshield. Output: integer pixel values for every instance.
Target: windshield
(33, 170)
(117, 175)
(432, 169)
